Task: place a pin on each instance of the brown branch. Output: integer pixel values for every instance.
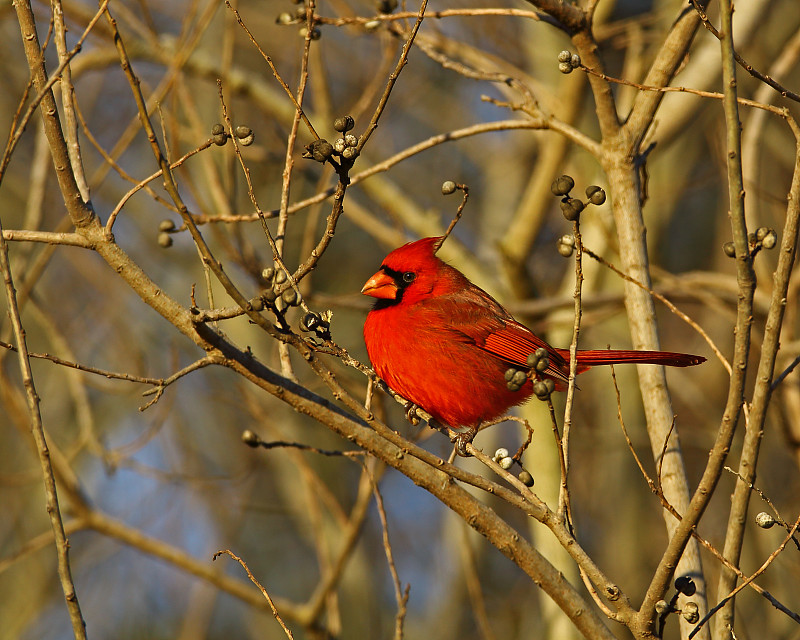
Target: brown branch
(741, 61)
(260, 588)
(744, 319)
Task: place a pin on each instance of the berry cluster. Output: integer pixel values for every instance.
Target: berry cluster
(683, 585)
(346, 147)
(763, 238)
(280, 297)
(568, 61)
(243, 133)
(505, 461)
(572, 207)
(298, 17)
(538, 362)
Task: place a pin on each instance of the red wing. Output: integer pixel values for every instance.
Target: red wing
(480, 318)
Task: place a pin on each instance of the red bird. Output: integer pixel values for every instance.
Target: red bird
(445, 344)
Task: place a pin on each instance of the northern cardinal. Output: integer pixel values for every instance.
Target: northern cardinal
(445, 344)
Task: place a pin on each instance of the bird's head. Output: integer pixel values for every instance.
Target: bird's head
(408, 274)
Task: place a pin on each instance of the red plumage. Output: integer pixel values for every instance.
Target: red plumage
(445, 344)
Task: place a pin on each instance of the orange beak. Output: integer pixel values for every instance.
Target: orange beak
(381, 285)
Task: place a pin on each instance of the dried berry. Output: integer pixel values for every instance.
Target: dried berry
(730, 249)
(320, 150)
(595, 194)
(562, 186)
(571, 208)
(164, 239)
(764, 520)
(526, 478)
(343, 124)
(685, 585)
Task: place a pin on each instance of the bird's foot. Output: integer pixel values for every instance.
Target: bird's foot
(411, 413)
(461, 440)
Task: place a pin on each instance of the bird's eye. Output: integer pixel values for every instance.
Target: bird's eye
(409, 277)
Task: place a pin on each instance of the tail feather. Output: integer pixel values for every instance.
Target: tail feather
(595, 357)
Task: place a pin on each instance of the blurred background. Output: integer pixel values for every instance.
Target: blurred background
(174, 483)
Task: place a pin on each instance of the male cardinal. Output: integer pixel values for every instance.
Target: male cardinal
(445, 344)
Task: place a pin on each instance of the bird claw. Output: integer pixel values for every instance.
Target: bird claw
(461, 440)
(411, 413)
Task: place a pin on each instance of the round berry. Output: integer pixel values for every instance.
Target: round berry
(345, 123)
(526, 478)
(562, 186)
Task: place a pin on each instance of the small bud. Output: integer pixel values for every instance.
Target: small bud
(270, 295)
(372, 25)
(510, 374)
(250, 438)
(505, 463)
(284, 18)
(217, 129)
(520, 377)
(685, 585)
(164, 239)
(565, 67)
(350, 153)
(575, 61)
(564, 56)
(300, 13)
(339, 145)
(542, 365)
(730, 249)
(448, 187)
(690, 612)
(350, 140)
(268, 273)
(166, 225)
(562, 186)
(595, 194)
(662, 607)
(764, 520)
(501, 453)
(345, 123)
(281, 304)
(526, 478)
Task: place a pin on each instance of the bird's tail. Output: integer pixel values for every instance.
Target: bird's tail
(595, 357)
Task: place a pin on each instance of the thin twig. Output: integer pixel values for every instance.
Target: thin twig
(741, 61)
(37, 430)
(258, 584)
(758, 572)
(400, 594)
(666, 302)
